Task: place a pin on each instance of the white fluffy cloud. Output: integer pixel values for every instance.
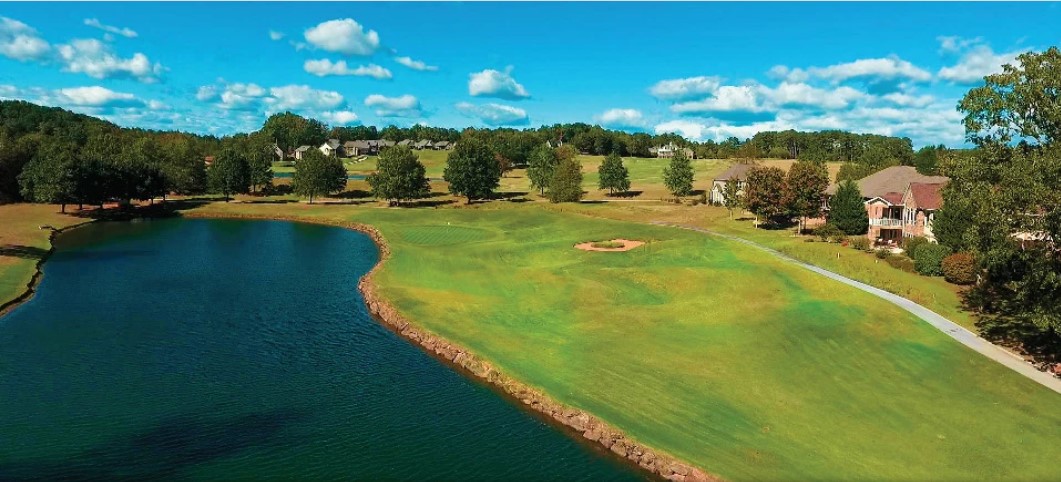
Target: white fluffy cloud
(96, 96)
(240, 96)
(401, 106)
(325, 67)
(415, 64)
(976, 63)
(684, 89)
(123, 31)
(274, 35)
(728, 98)
(340, 118)
(494, 114)
(868, 70)
(20, 41)
(622, 118)
(343, 36)
(955, 44)
(206, 92)
(909, 100)
(96, 59)
(302, 97)
(495, 83)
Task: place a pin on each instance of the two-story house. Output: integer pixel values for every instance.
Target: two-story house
(737, 172)
(900, 203)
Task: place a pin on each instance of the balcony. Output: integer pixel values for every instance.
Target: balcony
(886, 223)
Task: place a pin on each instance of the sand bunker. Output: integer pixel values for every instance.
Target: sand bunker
(613, 245)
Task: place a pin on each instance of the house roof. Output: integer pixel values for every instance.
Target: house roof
(893, 197)
(302, 148)
(892, 179)
(405, 142)
(332, 143)
(737, 171)
(423, 142)
(927, 195)
(442, 143)
(357, 144)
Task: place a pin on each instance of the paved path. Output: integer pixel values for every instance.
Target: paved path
(951, 329)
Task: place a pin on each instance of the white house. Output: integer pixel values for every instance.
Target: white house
(332, 148)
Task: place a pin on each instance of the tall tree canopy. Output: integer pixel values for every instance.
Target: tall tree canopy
(229, 174)
(472, 171)
(566, 184)
(289, 131)
(399, 175)
(318, 175)
(804, 190)
(613, 175)
(847, 211)
(678, 175)
(541, 166)
(763, 190)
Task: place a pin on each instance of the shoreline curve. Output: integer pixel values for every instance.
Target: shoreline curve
(38, 272)
(591, 428)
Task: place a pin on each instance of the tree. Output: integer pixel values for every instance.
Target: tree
(613, 175)
(260, 156)
(763, 189)
(541, 166)
(51, 176)
(678, 176)
(804, 189)
(472, 171)
(317, 175)
(399, 176)
(847, 210)
(731, 195)
(229, 173)
(927, 159)
(289, 131)
(566, 184)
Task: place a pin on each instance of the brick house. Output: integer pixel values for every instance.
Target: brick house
(900, 203)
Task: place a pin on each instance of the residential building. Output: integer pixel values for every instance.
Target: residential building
(668, 151)
(278, 152)
(358, 148)
(331, 148)
(300, 151)
(900, 203)
(406, 143)
(739, 172)
(423, 144)
(441, 145)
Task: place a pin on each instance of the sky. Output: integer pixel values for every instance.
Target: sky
(702, 70)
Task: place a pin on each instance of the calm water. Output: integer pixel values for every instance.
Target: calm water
(208, 349)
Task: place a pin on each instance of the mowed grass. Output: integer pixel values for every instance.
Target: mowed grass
(22, 243)
(710, 350)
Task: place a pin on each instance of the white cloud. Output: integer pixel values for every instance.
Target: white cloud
(340, 117)
(976, 63)
(344, 36)
(955, 44)
(274, 35)
(401, 106)
(206, 92)
(124, 32)
(96, 96)
(684, 89)
(494, 83)
(781, 72)
(789, 94)
(239, 96)
(20, 41)
(728, 98)
(302, 97)
(494, 114)
(621, 118)
(888, 68)
(909, 100)
(325, 67)
(96, 59)
(415, 64)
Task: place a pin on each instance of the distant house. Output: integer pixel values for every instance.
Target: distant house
(385, 143)
(900, 203)
(423, 144)
(332, 148)
(301, 151)
(441, 145)
(668, 151)
(278, 152)
(358, 148)
(738, 172)
(406, 143)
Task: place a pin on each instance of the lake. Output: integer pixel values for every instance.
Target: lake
(221, 349)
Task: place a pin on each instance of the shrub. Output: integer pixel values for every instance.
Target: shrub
(928, 258)
(827, 231)
(882, 253)
(912, 243)
(860, 243)
(959, 268)
(838, 237)
(901, 263)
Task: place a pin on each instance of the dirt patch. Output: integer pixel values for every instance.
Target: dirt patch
(614, 245)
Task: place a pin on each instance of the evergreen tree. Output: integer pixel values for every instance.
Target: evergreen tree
(566, 184)
(472, 171)
(399, 176)
(318, 175)
(613, 175)
(731, 196)
(678, 176)
(847, 211)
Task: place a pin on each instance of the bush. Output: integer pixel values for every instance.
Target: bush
(912, 243)
(882, 253)
(928, 259)
(839, 237)
(901, 263)
(827, 231)
(959, 268)
(860, 243)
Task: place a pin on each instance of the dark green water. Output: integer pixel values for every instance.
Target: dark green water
(219, 350)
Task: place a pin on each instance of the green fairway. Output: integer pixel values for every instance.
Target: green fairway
(705, 348)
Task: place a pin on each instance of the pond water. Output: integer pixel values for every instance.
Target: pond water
(217, 350)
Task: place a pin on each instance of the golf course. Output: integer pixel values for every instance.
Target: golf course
(705, 348)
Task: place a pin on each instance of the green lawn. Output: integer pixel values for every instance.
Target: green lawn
(22, 243)
(708, 349)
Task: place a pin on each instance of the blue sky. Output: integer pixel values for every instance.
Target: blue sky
(704, 70)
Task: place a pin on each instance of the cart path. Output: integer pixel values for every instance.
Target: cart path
(949, 328)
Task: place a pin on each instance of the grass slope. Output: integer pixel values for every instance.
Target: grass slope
(22, 243)
(706, 348)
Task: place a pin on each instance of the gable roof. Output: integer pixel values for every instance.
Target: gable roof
(357, 144)
(892, 179)
(332, 143)
(302, 149)
(927, 195)
(737, 171)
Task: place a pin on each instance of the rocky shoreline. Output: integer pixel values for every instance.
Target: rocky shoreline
(589, 426)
